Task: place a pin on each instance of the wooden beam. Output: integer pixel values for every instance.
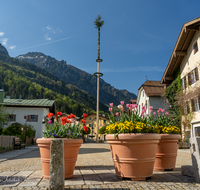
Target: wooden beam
(191, 28)
(169, 78)
(180, 53)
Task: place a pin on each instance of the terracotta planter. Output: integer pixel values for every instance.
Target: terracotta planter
(167, 152)
(71, 148)
(134, 154)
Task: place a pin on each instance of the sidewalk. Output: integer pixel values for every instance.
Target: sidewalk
(94, 170)
(17, 152)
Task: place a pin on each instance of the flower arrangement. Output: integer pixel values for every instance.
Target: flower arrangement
(86, 130)
(63, 127)
(134, 122)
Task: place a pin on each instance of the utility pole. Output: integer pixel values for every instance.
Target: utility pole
(98, 24)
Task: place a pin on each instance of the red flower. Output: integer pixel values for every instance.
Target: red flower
(50, 115)
(84, 115)
(67, 121)
(69, 116)
(72, 115)
(63, 123)
(85, 129)
(83, 121)
(63, 119)
(59, 113)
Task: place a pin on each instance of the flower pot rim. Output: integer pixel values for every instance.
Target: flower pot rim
(48, 140)
(135, 136)
(170, 136)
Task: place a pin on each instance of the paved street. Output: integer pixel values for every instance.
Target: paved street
(94, 170)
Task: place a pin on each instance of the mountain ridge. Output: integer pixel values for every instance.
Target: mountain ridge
(77, 77)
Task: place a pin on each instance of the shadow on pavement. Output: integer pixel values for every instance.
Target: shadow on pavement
(92, 150)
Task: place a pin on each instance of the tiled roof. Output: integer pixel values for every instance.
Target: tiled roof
(29, 103)
(153, 88)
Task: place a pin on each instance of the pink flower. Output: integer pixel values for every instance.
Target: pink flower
(145, 110)
(130, 108)
(122, 103)
(122, 108)
(147, 114)
(110, 109)
(50, 121)
(150, 107)
(166, 113)
(151, 111)
(117, 113)
(143, 107)
(154, 113)
(163, 111)
(135, 105)
(131, 105)
(127, 105)
(111, 104)
(158, 111)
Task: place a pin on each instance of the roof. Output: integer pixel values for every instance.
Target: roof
(186, 35)
(28, 103)
(153, 88)
(133, 101)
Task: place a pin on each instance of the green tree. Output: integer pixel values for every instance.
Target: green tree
(3, 118)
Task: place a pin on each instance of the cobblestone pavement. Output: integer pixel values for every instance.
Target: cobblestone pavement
(94, 170)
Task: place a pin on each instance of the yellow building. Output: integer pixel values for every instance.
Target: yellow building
(91, 122)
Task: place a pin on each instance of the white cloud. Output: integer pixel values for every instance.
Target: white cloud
(12, 47)
(1, 33)
(48, 27)
(4, 41)
(47, 37)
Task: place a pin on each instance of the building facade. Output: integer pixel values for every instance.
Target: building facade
(31, 112)
(185, 60)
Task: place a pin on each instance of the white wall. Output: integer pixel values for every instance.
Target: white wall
(142, 100)
(189, 62)
(20, 112)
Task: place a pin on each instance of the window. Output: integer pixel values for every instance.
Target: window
(104, 121)
(32, 118)
(184, 86)
(193, 76)
(12, 117)
(139, 108)
(195, 48)
(146, 103)
(90, 118)
(195, 104)
(90, 125)
(186, 108)
(143, 93)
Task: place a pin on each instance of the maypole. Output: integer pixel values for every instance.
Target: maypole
(98, 24)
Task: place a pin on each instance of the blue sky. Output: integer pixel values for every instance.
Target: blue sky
(137, 37)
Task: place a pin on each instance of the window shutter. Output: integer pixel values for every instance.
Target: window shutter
(192, 104)
(185, 85)
(36, 118)
(189, 78)
(188, 107)
(199, 101)
(29, 118)
(14, 117)
(196, 74)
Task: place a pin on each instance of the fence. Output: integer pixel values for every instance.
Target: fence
(6, 141)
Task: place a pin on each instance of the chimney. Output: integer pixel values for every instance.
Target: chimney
(2, 93)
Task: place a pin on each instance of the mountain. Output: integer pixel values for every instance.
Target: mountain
(77, 77)
(3, 50)
(30, 81)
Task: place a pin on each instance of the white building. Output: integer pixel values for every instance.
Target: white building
(151, 93)
(185, 60)
(28, 111)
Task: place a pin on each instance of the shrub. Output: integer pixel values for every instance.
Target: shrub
(102, 130)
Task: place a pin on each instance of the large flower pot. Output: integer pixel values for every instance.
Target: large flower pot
(134, 154)
(167, 152)
(71, 148)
